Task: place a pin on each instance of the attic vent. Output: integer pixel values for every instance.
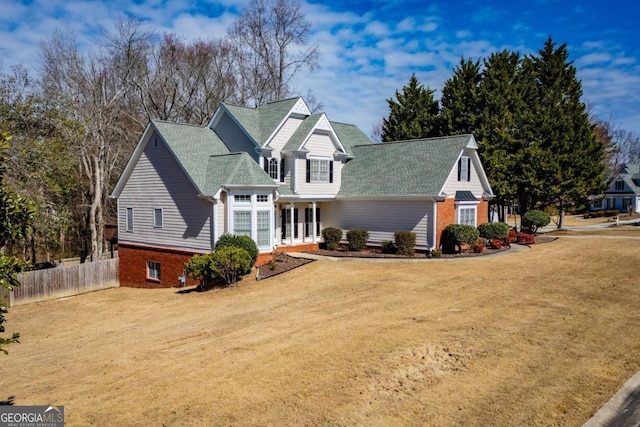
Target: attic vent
(155, 142)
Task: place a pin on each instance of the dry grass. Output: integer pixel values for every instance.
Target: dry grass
(542, 337)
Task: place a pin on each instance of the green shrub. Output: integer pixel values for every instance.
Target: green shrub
(244, 242)
(332, 237)
(405, 242)
(494, 230)
(199, 267)
(456, 235)
(388, 247)
(436, 253)
(357, 239)
(534, 219)
(231, 262)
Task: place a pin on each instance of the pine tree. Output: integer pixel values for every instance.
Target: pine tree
(413, 114)
(460, 107)
(571, 157)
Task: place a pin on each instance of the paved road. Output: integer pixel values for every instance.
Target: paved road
(622, 410)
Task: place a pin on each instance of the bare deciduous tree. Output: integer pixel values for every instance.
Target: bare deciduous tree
(270, 44)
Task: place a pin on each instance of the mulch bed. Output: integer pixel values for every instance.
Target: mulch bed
(286, 262)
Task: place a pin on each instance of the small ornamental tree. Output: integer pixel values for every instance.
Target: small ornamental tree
(244, 242)
(332, 237)
(230, 263)
(534, 219)
(199, 267)
(357, 239)
(456, 235)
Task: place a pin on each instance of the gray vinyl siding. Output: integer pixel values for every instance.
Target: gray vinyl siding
(234, 138)
(158, 182)
(284, 133)
(474, 185)
(382, 218)
(319, 146)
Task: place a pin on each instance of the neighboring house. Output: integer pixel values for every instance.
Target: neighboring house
(280, 175)
(623, 192)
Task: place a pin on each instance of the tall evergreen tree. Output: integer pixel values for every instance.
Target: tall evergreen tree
(413, 114)
(460, 107)
(571, 157)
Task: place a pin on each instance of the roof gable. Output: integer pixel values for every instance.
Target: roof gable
(190, 145)
(234, 170)
(315, 122)
(350, 136)
(407, 168)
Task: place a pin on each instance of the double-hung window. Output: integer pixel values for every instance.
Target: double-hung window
(319, 170)
(264, 227)
(157, 218)
(242, 223)
(464, 169)
(273, 168)
(619, 185)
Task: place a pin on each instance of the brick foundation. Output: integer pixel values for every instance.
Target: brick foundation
(133, 266)
(264, 258)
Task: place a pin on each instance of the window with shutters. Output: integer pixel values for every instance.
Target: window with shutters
(273, 168)
(464, 169)
(319, 170)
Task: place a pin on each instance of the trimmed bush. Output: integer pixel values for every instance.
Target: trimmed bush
(512, 236)
(478, 248)
(456, 235)
(534, 219)
(436, 253)
(388, 247)
(199, 267)
(357, 239)
(332, 237)
(612, 212)
(405, 242)
(495, 244)
(526, 239)
(230, 263)
(494, 230)
(244, 242)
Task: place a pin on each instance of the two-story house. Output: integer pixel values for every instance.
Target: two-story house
(623, 191)
(280, 174)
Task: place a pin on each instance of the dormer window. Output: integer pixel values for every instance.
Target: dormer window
(319, 170)
(273, 168)
(619, 185)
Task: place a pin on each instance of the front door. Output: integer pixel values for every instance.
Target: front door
(286, 223)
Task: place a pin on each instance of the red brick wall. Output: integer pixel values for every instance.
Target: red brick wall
(483, 212)
(265, 258)
(446, 216)
(133, 266)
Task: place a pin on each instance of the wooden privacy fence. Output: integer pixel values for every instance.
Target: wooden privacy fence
(52, 283)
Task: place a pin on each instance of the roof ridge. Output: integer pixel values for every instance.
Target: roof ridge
(178, 124)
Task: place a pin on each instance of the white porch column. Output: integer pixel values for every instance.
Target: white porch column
(313, 222)
(291, 218)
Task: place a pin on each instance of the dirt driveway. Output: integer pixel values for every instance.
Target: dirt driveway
(541, 337)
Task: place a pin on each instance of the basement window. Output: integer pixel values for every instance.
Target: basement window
(153, 270)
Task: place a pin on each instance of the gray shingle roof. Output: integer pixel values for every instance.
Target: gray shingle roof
(301, 133)
(192, 146)
(350, 136)
(408, 168)
(262, 121)
(236, 169)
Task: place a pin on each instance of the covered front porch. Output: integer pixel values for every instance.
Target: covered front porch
(298, 223)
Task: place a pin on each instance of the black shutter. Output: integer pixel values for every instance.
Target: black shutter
(295, 223)
(281, 170)
(468, 168)
(318, 221)
(459, 168)
(283, 212)
(331, 171)
(307, 220)
(266, 165)
(308, 170)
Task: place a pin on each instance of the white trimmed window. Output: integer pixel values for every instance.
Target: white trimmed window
(264, 227)
(153, 270)
(157, 218)
(319, 170)
(242, 223)
(467, 215)
(242, 198)
(129, 219)
(273, 168)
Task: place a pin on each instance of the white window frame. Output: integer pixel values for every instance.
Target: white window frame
(153, 270)
(319, 170)
(273, 169)
(129, 220)
(465, 169)
(243, 231)
(157, 224)
(464, 207)
(262, 198)
(263, 235)
(242, 198)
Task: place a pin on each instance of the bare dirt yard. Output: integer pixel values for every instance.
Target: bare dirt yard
(542, 336)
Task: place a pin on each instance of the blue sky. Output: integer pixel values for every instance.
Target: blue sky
(368, 49)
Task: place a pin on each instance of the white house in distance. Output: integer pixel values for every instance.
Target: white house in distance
(280, 175)
(623, 192)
